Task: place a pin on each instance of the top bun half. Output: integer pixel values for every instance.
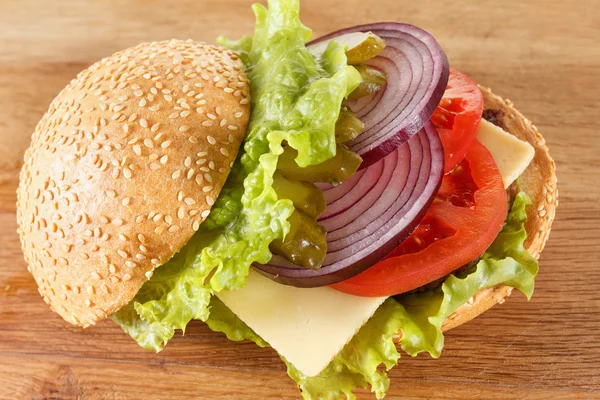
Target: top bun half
(124, 167)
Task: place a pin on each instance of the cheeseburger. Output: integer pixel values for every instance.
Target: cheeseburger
(339, 199)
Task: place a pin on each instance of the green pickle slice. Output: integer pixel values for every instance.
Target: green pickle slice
(306, 196)
(372, 81)
(335, 170)
(305, 245)
(361, 46)
(347, 127)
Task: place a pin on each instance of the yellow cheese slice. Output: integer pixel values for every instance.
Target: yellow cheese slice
(512, 155)
(308, 326)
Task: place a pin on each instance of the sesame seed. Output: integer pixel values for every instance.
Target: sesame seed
(176, 174)
(155, 261)
(164, 159)
(224, 151)
(211, 116)
(112, 268)
(211, 140)
(137, 149)
(207, 189)
(96, 276)
(154, 166)
(232, 128)
(208, 178)
(209, 200)
(205, 213)
(159, 230)
(127, 173)
(169, 219)
(165, 144)
(90, 289)
(184, 128)
(174, 228)
(122, 237)
(149, 274)
(126, 277)
(157, 217)
(126, 201)
(123, 253)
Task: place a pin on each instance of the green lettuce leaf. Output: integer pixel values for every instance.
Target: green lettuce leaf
(419, 316)
(295, 98)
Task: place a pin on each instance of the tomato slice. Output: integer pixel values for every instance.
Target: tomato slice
(463, 221)
(457, 117)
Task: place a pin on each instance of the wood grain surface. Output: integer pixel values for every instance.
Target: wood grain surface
(544, 55)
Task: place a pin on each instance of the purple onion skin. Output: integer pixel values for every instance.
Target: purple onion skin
(285, 273)
(414, 121)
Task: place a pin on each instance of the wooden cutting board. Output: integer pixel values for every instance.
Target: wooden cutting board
(543, 55)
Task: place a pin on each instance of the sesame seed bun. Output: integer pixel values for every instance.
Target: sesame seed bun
(539, 182)
(124, 167)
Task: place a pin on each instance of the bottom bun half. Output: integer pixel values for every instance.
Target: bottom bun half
(539, 182)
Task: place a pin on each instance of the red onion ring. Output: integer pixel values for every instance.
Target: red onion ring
(417, 74)
(369, 215)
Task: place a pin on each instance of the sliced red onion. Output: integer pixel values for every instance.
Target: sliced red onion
(369, 215)
(417, 74)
